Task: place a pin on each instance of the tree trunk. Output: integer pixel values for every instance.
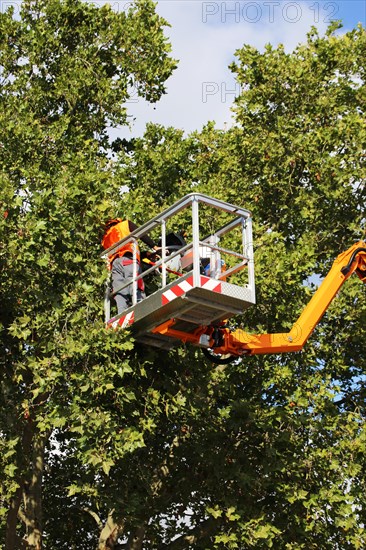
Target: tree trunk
(12, 540)
(33, 495)
(110, 533)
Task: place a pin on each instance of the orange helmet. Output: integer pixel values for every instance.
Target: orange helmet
(111, 223)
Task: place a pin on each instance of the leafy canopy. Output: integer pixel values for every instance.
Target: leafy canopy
(162, 450)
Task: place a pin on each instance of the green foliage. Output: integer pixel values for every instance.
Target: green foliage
(304, 140)
(166, 165)
(155, 450)
(67, 70)
(274, 454)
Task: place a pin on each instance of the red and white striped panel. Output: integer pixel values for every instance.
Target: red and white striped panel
(176, 291)
(125, 321)
(210, 284)
(186, 285)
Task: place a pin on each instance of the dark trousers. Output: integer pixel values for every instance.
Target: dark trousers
(122, 271)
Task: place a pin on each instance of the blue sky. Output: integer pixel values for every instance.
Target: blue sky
(204, 36)
(351, 12)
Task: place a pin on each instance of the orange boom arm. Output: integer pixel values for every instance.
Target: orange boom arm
(240, 342)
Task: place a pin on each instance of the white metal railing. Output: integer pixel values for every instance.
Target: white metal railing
(191, 253)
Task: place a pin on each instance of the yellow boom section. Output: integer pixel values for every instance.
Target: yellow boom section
(240, 342)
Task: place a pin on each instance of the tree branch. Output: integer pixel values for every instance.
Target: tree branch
(136, 539)
(95, 517)
(109, 534)
(203, 530)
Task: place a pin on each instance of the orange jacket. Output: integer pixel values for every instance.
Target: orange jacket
(116, 233)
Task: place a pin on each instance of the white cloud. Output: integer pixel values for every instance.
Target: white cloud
(204, 37)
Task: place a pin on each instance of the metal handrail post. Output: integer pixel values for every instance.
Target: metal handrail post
(134, 273)
(216, 257)
(195, 241)
(249, 251)
(107, 299)
(163, 254)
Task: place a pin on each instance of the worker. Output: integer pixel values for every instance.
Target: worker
(121, 261)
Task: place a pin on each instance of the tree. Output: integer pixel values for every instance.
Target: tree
(278, 448)
(160, 450)
(67, 70)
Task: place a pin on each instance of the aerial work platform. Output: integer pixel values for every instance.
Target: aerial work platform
(199, 281)
(191, 280)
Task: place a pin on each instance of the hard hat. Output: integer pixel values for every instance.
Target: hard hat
(111, 223)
